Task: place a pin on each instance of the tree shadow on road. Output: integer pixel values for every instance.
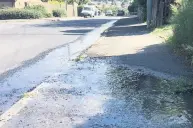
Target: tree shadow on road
(126, 27)
(152, 56)
(76, 32)
(76, 23)
(158, 57)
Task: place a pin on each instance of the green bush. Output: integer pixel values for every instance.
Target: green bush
(40, 9)
(133, 6)
(114, 9)
(19, 14)
(142, 5)
(48, 15)
(183, 30)
(80, 7)
(58, 13)
(126, 12)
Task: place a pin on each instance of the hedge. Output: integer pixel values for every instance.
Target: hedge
(40, 9)
(19, 14)
(58, 13)
(182, 38)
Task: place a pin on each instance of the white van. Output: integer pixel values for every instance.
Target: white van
(88, 11)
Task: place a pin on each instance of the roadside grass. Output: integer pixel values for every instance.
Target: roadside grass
(148, 82)
(183, 49)
(180, 85)
(165, 32)
(182, 39)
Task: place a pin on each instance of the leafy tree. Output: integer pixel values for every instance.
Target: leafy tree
(137, 3)
(133, 6)
(81, 2)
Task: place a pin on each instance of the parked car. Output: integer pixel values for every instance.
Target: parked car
(88, 11)
(120, 13)
(109, 13)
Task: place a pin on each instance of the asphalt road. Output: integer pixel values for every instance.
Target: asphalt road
(22, 42)
(32, 52)
(95, 92)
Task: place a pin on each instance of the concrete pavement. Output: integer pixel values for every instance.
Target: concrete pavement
(130, 43)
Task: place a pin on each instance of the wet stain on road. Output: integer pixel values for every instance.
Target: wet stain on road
(100, 92)
(95, 93)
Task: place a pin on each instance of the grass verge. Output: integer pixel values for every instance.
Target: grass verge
(164, 32)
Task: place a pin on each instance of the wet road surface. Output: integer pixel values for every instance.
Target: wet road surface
(21, 42)
(98, 92)
(95, 93)
(15, 83)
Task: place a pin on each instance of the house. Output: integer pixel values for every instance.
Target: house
(6, 3)
(71, 8)
(18, 3)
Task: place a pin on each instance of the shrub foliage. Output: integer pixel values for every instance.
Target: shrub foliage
(59, 13)
(29, 12)
(183, 29)
(39, 8)
(19, 14)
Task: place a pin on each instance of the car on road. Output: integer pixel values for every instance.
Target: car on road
(120, 13)
(88, 11)
(109, 13)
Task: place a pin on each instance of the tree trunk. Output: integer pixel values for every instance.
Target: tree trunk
(73, 9)
(160, 14)
(66, 5)
(154, 13)
(149, 13)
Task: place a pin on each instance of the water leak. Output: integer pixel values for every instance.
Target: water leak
(95, 93)
(125, 97)
(33, 72)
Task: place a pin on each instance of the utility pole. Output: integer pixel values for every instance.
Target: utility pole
(149, 13)
(66, 3)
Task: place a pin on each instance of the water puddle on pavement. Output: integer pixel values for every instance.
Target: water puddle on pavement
(94, 93)
(120, 97)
